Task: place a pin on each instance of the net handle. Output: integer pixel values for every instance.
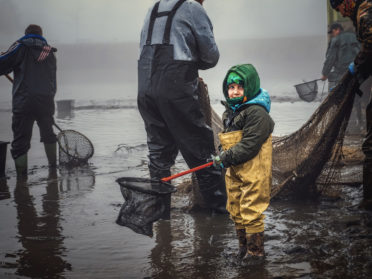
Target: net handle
(66, 150)
(311, 80)
(321, 97)
(9, 78)
(54, 123)
(166, 179)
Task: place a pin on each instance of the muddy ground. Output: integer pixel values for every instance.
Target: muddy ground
(62, 224)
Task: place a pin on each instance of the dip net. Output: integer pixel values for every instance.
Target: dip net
(310, 156)
(146, 201)
(307, 91)
(74, 148)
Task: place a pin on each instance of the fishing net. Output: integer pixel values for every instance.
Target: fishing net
(307, 161)
(310, 156)
(146, 201)
(74, 148)
(307, 91)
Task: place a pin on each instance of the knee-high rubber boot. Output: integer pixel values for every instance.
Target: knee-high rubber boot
(21, 165)
(212, 188)
(51, 153)
(242, 243)
(157, 173)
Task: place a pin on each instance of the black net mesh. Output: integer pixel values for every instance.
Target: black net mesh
(310, 155)
(74, 148)
(146, 201)
(307, 91)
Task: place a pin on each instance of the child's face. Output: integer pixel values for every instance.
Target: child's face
(235, 90)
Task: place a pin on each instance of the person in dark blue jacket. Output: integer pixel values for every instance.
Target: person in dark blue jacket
(33, 64)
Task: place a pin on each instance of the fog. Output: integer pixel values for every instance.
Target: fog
(97, 41)
(73, 21)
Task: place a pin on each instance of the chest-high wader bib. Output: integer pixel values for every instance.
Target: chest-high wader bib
(248, 185)
(168, 103)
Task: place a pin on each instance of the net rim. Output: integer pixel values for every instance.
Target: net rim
(124, 182)
(60, 135)
(307, 96)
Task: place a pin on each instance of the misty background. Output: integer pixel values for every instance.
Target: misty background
(98, 42)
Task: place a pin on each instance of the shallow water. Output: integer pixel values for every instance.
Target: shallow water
(63, 224)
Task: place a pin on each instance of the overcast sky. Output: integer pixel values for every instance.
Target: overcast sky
(72, 21)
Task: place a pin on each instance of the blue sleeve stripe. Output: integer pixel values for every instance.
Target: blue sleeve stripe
(14, 47)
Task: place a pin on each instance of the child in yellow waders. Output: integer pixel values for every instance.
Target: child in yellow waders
(247, 156)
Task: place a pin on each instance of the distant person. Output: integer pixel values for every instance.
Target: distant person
(360, 12)
(176, 41)
(342, 49)
(247, 156)
(33, 63)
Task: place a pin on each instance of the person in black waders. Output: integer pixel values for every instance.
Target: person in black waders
(176, 41)
(33, 63)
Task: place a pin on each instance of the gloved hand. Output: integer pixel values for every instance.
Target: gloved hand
(352, 69)
(217, 163)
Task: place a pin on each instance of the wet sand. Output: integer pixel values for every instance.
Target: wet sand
(62, 224)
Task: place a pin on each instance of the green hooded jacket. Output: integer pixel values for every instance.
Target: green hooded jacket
(253, 119)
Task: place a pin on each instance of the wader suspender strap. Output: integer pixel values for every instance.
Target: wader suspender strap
(167, 30)
(153, 16)
(168, 25)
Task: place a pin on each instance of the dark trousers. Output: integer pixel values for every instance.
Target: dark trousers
(367, 150)
(22, 125)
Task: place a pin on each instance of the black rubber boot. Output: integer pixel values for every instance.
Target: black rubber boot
(157, 174)
(51, 153)
(21, 165)
(212, 187)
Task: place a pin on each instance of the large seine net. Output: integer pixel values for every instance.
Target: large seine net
(311, 154)
(74, 148)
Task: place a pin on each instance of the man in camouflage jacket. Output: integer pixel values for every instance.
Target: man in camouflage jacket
(360, 12)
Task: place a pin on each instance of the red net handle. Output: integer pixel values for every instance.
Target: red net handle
(165, 179)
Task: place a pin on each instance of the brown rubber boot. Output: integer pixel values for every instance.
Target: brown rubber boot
(255, 245)
(242, 243)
